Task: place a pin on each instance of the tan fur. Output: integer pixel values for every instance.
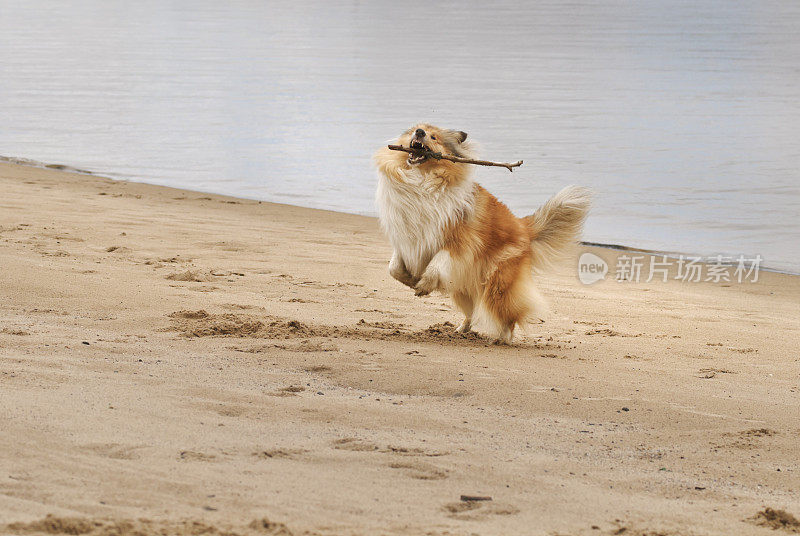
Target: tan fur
(467, 243)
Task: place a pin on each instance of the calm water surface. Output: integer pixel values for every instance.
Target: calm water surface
(684, 117)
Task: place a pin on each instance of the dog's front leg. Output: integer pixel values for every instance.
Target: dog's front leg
(436, 275)
(398, 270)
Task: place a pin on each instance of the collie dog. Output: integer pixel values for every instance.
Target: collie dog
(450, 234)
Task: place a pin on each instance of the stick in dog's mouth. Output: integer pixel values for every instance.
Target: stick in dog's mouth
(420, 157)
(420, 154)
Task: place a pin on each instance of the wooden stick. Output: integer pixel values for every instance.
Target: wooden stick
(440, 156)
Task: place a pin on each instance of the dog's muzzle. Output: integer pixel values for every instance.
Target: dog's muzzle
(417, 158)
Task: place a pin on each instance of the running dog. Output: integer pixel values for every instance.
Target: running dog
(450, 234)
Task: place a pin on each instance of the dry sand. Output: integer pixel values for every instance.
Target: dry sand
(173, 362)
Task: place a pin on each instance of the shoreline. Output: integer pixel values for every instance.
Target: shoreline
(173, 359)
(70, 169)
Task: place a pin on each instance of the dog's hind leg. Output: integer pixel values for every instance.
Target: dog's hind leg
(507, 295)
(464, 302)
(506, 335)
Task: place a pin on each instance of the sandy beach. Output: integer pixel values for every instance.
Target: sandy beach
(173, 362)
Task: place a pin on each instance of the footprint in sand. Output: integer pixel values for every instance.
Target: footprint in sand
(56, 253)
(56, 525)
(707, 373)
(192, 276)
(611, 333)
(318, 368)
(232, 410)
(194, 456)
(477, 510)
(164, 260)
(115, 451)
(289, 390)
(298, 300)
(305, 345)
(420, 470)
(288, 453)
(414, 451)
(227, 245)
(308, 346)
(354, 444)
(360, 445)
(240, 306)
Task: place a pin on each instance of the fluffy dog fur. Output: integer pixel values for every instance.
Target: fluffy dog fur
(450, 234)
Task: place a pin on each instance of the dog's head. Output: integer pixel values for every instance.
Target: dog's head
(432, 138)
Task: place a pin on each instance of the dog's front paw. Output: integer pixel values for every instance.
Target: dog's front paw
(425, 286)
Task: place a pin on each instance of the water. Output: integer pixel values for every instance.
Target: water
(682, 116)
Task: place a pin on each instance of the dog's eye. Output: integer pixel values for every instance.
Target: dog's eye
(433, 137)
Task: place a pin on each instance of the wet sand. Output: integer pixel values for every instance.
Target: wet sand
(173, 362)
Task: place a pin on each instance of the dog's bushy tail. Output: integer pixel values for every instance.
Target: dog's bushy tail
(557, 224)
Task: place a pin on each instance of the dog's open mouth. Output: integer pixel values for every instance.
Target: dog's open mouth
(417, 158)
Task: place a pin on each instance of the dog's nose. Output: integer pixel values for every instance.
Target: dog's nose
(419, 133)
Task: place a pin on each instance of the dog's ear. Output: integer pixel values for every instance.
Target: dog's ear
(460, 135)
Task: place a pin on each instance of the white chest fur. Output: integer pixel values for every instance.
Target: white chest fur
(414, 214)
